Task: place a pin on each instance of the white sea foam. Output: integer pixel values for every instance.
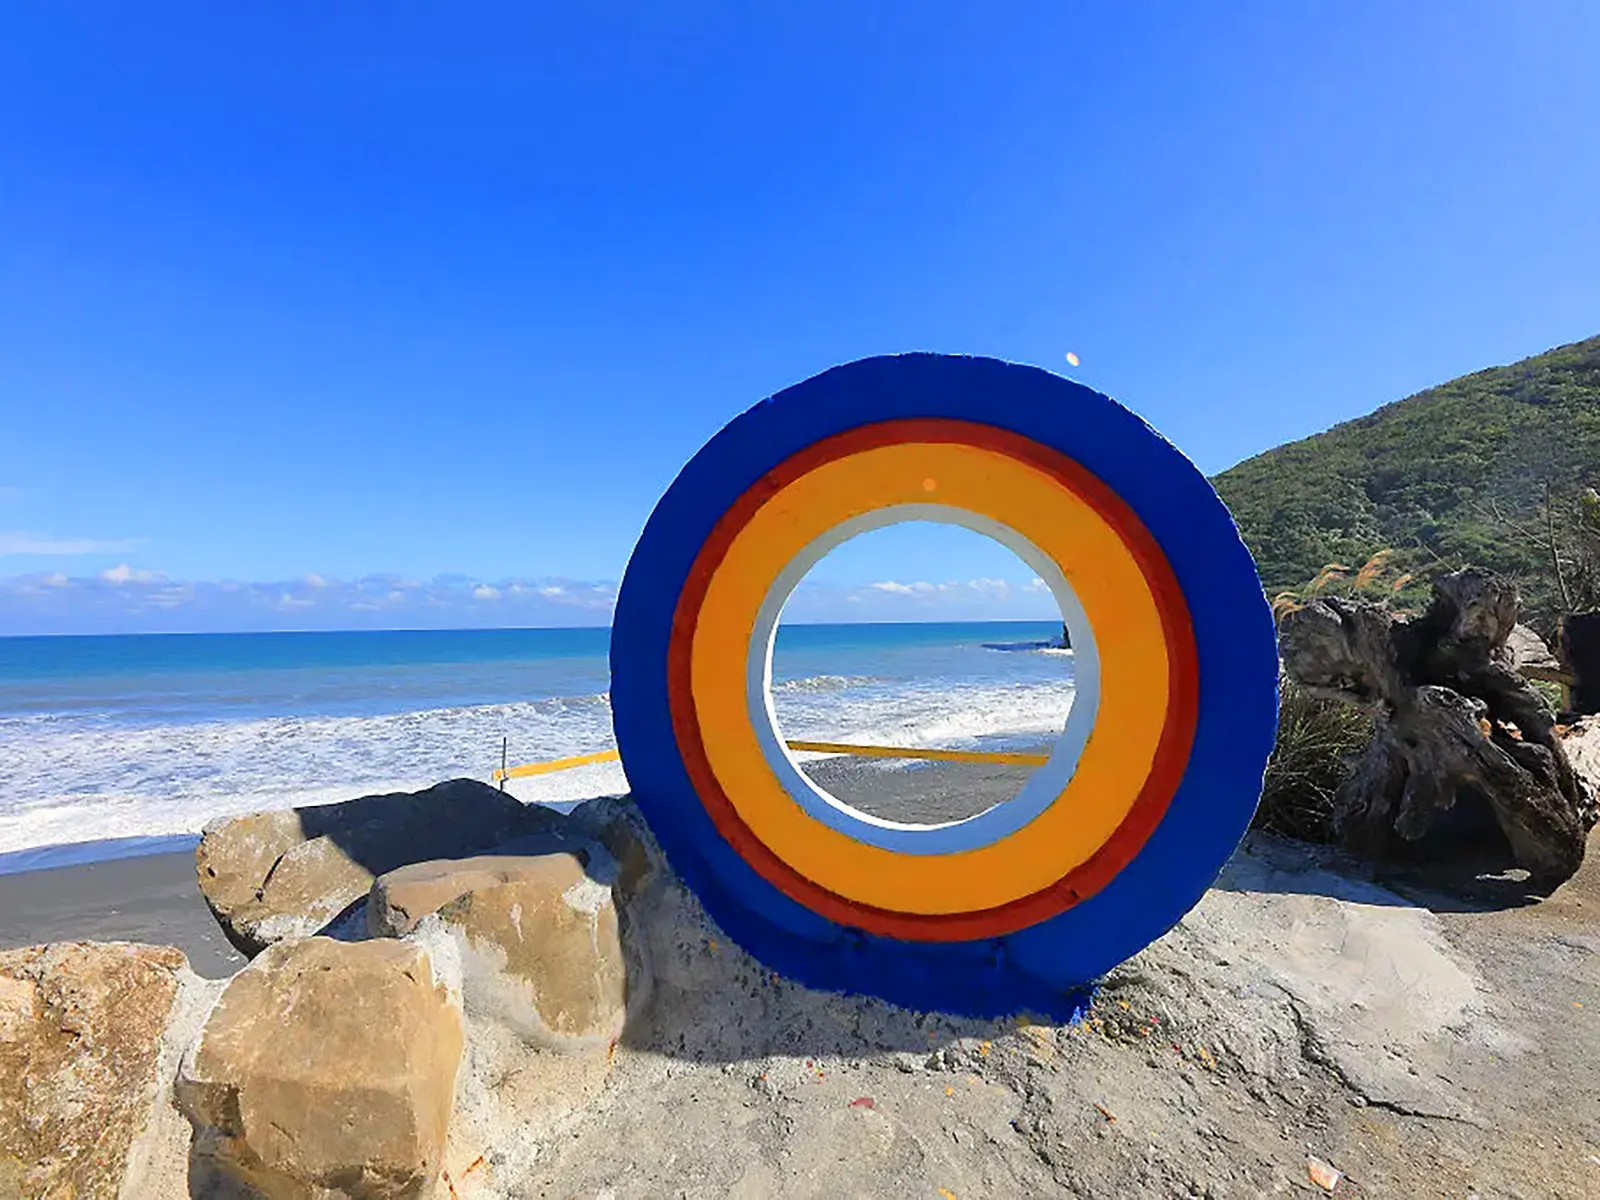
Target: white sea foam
(823, 683)
(79, 778)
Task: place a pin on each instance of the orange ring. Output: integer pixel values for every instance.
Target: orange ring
(1172, 748)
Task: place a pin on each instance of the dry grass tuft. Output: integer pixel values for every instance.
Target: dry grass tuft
(1318, 741)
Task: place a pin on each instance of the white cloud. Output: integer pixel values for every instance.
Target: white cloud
(123, 573)
(172, 596)
(314, 580)
(128, 599)
(954, 589)
(32, 543)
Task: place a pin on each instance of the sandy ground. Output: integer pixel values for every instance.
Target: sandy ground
(148, 899)
(1301, 1015)
(924, 792)
(1421, 1043)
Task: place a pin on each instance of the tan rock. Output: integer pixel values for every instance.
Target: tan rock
(271, 876)
(327, 1069)
(81, 1026)
(538, 936)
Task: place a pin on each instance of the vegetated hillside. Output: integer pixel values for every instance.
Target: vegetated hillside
(1443, 477)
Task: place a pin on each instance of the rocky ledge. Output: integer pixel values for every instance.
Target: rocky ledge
(426, 967)
(451, 998)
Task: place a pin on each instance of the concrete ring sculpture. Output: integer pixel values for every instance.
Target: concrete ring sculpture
(1150, 786)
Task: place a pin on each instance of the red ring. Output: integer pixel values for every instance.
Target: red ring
(1172, 748)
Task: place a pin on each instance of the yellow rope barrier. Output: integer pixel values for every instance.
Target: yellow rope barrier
(556, 764)
(968, 756)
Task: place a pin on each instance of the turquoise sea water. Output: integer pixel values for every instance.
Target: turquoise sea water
(150, 735)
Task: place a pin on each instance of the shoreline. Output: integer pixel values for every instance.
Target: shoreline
(143, 889)
(97, 850)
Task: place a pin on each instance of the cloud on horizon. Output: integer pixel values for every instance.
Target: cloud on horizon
(18, 543)
(124, 599)
(985, 599)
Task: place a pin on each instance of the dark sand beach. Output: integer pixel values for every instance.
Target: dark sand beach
(154, 897)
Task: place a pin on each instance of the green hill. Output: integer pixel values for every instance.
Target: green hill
(1444, 477)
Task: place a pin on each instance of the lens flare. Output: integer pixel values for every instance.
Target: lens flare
(1072, 359)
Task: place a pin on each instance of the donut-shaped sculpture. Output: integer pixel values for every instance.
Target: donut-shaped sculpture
(1155, 776)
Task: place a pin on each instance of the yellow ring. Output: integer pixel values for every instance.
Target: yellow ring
(1115, 595)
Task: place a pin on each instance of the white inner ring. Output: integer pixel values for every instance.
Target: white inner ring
(994, 823)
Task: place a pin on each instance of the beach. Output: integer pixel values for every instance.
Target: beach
(154, 897)
(116, 751)
(1425, 1046)
(1304, 1011)
(154, 735)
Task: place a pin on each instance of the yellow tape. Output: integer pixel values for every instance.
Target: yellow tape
(968, 756)
(556, 764)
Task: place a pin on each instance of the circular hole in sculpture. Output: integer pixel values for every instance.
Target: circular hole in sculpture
(938, 633)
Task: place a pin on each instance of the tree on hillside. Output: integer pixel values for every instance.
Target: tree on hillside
(1426, 477)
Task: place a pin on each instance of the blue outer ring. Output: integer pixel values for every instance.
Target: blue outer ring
(1044, 968)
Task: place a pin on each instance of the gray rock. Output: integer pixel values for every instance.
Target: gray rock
(269, 876)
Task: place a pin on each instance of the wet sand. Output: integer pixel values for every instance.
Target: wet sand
(921, 792)
(154, 897)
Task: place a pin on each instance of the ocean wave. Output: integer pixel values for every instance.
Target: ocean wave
(83, 778)
(825, 683)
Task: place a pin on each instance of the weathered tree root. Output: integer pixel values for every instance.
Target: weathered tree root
(1453, 719)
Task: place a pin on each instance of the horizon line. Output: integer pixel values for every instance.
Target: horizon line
(485, 629)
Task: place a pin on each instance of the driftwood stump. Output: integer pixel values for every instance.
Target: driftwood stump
(1455, 722)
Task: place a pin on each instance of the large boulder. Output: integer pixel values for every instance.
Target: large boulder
(538, 937)
(270, 876)
(81, 1027)
(327, 1069)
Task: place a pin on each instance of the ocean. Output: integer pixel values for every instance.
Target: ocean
(113, 745)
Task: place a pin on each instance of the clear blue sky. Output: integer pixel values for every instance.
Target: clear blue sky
(395, 292)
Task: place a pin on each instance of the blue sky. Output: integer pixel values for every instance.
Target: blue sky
(303, 303)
